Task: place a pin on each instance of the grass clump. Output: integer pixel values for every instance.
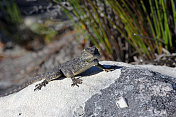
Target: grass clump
(123, 28)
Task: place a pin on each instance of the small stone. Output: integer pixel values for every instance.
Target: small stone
(122, 103)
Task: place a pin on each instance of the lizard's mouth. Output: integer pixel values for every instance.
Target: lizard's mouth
(98, 55)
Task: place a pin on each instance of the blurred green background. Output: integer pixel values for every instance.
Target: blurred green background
(123, 30)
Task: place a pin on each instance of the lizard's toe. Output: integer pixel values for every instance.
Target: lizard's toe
(74, 85)
(38, 87)
(44, 83)
(76, 82)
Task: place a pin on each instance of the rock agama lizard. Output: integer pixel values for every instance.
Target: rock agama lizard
(89, 57)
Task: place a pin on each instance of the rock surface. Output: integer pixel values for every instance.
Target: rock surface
(147, 93)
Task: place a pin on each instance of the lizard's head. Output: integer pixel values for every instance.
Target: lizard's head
(90, 53)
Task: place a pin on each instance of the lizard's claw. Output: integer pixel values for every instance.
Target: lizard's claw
(76, 82)
(40, 85)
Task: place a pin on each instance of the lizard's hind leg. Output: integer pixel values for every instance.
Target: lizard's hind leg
(40, 85)
(48, 78)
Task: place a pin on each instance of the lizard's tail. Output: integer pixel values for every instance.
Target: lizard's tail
(27, 83)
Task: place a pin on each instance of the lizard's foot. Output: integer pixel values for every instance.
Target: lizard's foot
(109, 69)
(40, 85)
(76, 82)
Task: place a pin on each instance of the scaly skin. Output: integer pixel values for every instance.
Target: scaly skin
(89, 57)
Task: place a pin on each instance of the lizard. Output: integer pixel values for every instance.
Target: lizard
(89, 58)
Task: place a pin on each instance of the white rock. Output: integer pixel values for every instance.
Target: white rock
(59, 99)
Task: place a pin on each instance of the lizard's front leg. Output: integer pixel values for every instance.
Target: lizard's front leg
(69, 74)
(76, 81)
